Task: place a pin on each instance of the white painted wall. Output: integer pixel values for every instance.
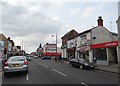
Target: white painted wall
(79, 40)
(110, 55)
(64, 53)
(102, 35)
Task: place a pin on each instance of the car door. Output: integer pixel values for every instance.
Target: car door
(76, 62)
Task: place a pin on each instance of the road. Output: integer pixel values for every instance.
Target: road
(51, 72)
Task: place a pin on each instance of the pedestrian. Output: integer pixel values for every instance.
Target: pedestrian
(55, 58)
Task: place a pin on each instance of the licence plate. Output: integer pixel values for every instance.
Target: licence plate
(15, 65)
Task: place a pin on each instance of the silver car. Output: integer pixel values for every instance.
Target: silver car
(16, 64)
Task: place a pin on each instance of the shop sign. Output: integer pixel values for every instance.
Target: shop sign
(107, 44)
(84, 48)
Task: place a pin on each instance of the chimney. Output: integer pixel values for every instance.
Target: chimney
(100, 21)
(9, 38)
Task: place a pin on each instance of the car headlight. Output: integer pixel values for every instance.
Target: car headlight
(86, 64)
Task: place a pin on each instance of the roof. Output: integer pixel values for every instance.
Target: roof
(113, 33)
(69, 33)
(86, 31)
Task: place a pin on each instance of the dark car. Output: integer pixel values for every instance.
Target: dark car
(46, 57)
(81, 63)
(28, 58)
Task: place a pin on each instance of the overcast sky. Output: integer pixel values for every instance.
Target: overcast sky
(36, 22)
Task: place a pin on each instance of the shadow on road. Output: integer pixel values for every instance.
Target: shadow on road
(15, 75)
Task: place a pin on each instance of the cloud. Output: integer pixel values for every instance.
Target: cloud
(35, 22)
(25, 22)
(83, 13)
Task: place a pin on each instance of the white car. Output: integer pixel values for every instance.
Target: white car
(16, 64)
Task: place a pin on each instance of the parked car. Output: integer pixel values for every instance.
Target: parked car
(28, 58)
(81, 63)
(16, 64)
(35, 57)
(46, 57)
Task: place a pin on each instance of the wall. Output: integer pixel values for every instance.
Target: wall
(102, 35)
(110, 55)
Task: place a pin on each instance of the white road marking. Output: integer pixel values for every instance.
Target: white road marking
(84, 83)
(44, 65)
(59, 72)
(27, 77)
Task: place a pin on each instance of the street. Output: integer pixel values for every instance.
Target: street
(51, 72)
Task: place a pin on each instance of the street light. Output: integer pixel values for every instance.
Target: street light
(56, 45)
(23, 46)
(56, 41)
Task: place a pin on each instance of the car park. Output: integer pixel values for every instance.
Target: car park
(16, 64)
(81, 63)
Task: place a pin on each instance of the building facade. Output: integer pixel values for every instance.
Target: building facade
(67, 50)
(50, 50)
(97, 43)
(39, 51)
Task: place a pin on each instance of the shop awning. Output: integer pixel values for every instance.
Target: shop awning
(104, 45)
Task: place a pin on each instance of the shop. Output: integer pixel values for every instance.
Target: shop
(52, 54)
(83, 52)
(71, 52)
(105, 53)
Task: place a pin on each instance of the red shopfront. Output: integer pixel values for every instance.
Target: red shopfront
(101, 50)
(52, 54)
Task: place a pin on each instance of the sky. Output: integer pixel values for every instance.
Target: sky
(34, 22)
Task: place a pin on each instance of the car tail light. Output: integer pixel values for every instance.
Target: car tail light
(6, 64)
(25, 62)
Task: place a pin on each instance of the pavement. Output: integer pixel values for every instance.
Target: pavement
(113, 68)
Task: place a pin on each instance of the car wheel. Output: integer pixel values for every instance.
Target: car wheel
(81, 66)
(5, 74)
(26, 72)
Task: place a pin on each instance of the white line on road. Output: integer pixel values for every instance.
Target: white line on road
(84, 83)
(27, 77)
(59, 72)
(44, 65)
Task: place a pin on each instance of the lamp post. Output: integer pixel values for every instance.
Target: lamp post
(23, 47)
(56, 43)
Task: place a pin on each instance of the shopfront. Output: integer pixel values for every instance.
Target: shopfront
(83, 52)
(71, 52)
(105, 53)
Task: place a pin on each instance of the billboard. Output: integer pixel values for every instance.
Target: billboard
(1, 45)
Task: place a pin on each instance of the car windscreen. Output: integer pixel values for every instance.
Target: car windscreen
(16, 59)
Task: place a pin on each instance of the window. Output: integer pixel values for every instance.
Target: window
(83, 37)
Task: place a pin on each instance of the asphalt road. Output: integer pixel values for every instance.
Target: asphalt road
(51, 72)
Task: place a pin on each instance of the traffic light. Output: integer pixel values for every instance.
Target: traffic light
(5, 51)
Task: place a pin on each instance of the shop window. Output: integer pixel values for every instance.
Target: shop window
(100, 54)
